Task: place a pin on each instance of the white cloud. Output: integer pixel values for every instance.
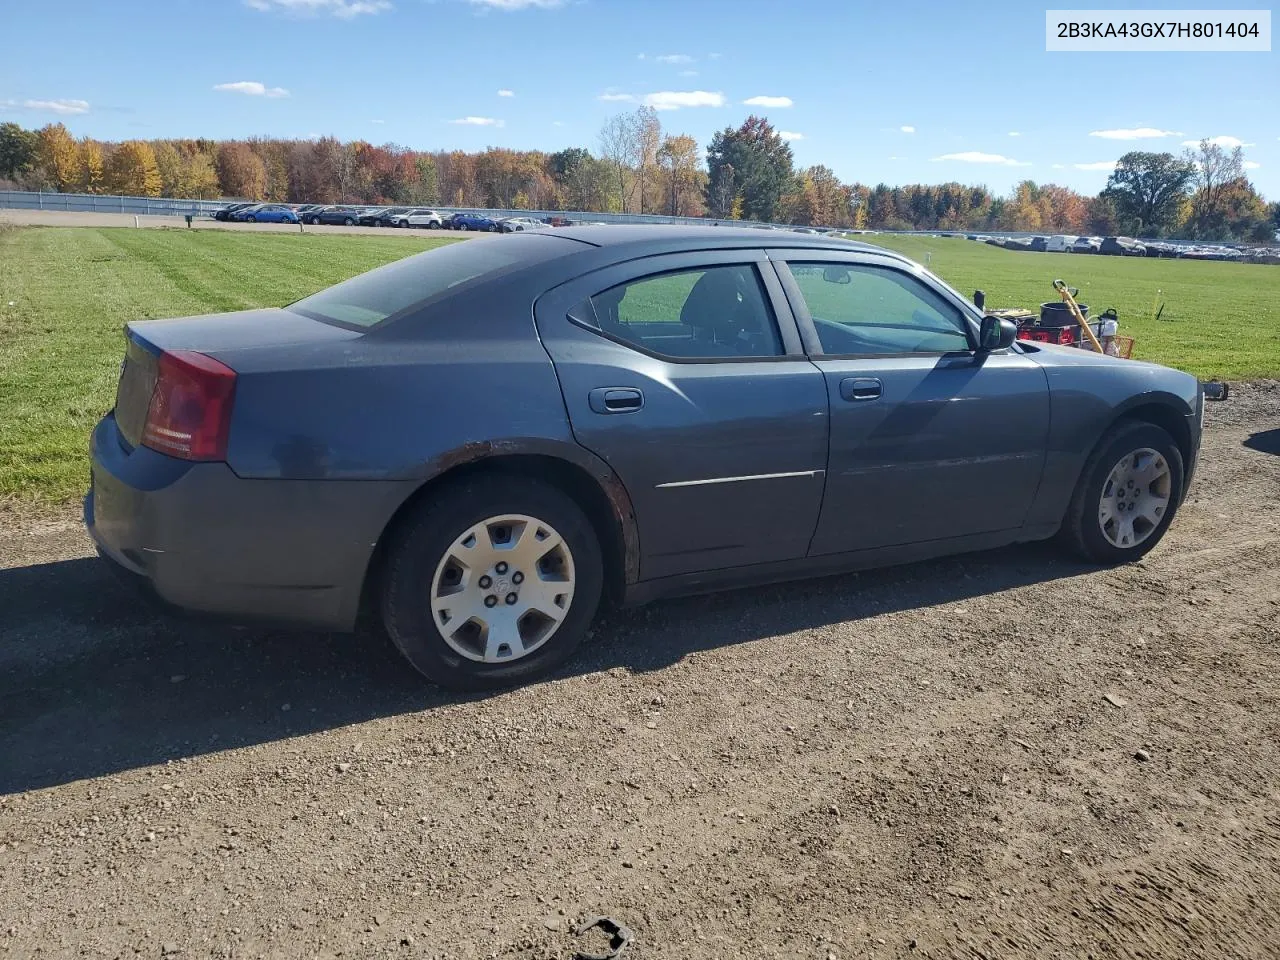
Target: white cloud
(674, 58)
(907, 128)
(769, 102)
(640, 56)
(672, 100)
(477, 122)
(346, 9)
(790, 135)
(377, 121)
(66, 108)
(688, 73)
(1134, 133)
(557, 123)
(252, 88)
(504, 92)
(1227, 143)
(610, 97)
(1107, 165)
(713, 56)
(1252, 165)
(895, 158)
(976, 156)
(517, 4)
(1014, 133)
(1058, 166)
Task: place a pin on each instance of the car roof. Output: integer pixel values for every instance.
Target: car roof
(666, 237)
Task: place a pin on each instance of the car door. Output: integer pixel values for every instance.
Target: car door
(686, 374)
(930, 439)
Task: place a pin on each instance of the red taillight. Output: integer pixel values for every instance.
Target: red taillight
(190, 412)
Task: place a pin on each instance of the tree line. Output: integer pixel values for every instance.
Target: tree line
(747, 172)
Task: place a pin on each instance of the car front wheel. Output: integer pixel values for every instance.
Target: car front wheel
(1127, 495)
(492, 583)
(349, 222)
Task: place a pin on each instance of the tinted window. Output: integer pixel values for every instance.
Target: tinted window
(372, 297)
(692, 314)
(868, 310)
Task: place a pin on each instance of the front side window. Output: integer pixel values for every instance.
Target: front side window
(859, 309)
(704, 314)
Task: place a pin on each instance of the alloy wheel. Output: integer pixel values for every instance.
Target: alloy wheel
(502, 588)
(1135, 498)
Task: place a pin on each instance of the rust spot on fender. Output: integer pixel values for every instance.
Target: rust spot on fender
(620, 501)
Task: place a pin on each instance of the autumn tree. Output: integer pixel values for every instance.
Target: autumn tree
(92, 171)
(60, 157)
(722, 190)
(132, 170)
(241, 172)
(169, 163)
(19, 150)
(1146, 189)
(198, 179)
(761, 164)
(426, 188)
(680, 165)
(1213, 167)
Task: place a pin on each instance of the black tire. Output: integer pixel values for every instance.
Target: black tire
(420, 542)
(251, 218)
(432, 225)
(463, 226)
(1081, 530)
(349, 222)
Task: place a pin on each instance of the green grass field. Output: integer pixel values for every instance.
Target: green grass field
(65, 293)
(1221, 321)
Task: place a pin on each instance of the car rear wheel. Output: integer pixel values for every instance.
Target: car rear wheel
(251, 218)
(463, 226)
(432, 225)
(492, 583)
(1127, 495)
(349, 222)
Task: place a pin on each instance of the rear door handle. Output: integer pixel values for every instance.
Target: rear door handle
(615, 399)
(860, 388)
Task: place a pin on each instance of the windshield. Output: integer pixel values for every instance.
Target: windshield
(380, 294)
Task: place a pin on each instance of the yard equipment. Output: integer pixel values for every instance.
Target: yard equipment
(1069, 299)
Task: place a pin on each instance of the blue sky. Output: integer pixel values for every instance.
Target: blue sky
(875, 90)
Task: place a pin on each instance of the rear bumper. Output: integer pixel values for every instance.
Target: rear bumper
(205, 540)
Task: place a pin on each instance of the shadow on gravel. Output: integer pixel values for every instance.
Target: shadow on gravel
(94, 682)
(1265, 441)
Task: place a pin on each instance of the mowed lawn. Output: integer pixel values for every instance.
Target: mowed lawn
(65, 294)
(1221, 321)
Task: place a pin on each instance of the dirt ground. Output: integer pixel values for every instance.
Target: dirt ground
(912, 762)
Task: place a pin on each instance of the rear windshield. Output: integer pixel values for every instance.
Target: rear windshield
(372, 297)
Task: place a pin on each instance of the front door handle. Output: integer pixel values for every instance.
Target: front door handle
(860, 388)
(615, 399)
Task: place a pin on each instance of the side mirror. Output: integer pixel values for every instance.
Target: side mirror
(979, 299)
(996, 333)
(836, 275)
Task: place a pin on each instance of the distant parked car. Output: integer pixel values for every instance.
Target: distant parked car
(1086, 245)
(472, 221)
(347, 216)
(226, 212)
(1122, 247)
(379, 216)
(267, 213)
(421, 217)
(520, 224)
(1059, 243)
(1039, 244)
(306, 208)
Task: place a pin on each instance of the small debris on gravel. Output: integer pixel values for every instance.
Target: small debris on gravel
(342, 767)
(1142, 756)
(1114, 700)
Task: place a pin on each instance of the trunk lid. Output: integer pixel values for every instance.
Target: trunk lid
(218, 336)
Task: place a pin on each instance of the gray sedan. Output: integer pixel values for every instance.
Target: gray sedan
(482, 442)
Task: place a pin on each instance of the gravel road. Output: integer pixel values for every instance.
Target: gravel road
(1004, 755)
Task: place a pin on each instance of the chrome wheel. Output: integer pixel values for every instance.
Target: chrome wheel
(1135, 498)
(503, 588)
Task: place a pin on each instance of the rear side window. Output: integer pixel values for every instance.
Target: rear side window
(373, 297)
(712, 313)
